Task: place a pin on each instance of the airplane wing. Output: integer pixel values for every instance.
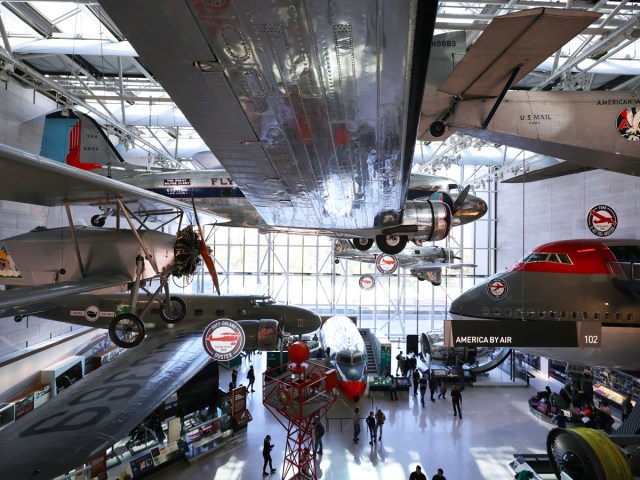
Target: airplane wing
(427, 266)
(312, 109)
(93, 414)
(523, 39)
(30, 299)
(552, 171)
(29, 178)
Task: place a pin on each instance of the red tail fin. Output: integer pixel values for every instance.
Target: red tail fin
(73, 157)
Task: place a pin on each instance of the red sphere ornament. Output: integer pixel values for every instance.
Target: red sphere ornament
(298, 352)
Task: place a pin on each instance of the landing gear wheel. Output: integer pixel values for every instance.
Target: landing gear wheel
(362, 244)
(417, 242)
(437, 129)
(391, 244)
(174, 310)
(98, 220)
(126, 330)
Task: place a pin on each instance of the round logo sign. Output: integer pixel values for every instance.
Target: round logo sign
(497, 288)
(92, 313)
(628, 123)
(386, 264)
(602, 220)
(367, 282)
(223, 339)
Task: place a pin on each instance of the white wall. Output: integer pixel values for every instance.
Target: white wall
(21, 119)
(531, 214)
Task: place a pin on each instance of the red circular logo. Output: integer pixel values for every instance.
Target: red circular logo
(223, 339)
(386, 264)
(497, 288)
(367, 282)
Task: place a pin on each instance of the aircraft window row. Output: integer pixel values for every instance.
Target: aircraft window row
(553, 315)
(548, 257)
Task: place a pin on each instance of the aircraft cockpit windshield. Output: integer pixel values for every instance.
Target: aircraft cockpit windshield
(538, 257)
(454, 188)
(264, 301)
(348, 358)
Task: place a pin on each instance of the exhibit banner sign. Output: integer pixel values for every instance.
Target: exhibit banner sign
(538, 333)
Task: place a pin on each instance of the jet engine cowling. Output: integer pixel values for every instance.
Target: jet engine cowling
(260, 334)
(430, 220)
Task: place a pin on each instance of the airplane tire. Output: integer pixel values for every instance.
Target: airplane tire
(174, 311)
(436, 284)
(98, 220)
(126, 330)
(362, 244)
(391, 244)
(437, 129)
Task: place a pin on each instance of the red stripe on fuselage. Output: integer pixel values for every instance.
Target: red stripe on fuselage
(587, 257)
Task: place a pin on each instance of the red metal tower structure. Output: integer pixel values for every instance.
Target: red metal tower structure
(295, 393)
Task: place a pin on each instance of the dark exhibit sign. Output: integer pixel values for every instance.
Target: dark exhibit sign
(537, 333)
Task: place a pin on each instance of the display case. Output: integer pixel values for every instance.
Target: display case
(30, 398)
(615, 385)
(63, 374)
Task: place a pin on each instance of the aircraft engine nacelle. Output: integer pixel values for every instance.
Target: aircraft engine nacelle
(434, 276)
(430, 219)
(260, 334)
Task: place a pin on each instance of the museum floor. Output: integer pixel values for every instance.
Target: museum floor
(496, 424)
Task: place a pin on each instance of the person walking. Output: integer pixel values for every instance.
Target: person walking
(422, 383)
(400, 361)
(413, 363)
(443, 389)
(417, 475)
(266, 454)
(234, 377)
(380, 419)
(456, 399)
(356, 424)
(415, 378)
(371, 426)
(393, 388)
(433, 385)
(318, 430)
(251, 376)
(439, 475)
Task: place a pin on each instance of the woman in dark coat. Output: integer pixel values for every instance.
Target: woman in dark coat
(266, 454)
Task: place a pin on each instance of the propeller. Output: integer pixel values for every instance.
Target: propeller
(457, 205)
(204, 252)
(188, 248)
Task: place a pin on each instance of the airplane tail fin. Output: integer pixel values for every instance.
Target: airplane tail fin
(77, 140)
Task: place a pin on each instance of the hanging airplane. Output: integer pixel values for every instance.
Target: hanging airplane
(99, 310)
(424, 262)
(77, 140)
(312, 110)
(47, 264)
(93, 414)
(340, 337)
(590, 286)
(469, 92)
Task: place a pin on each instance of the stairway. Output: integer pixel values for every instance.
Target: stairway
(372, 366)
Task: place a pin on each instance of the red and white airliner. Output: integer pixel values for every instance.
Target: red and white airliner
(347, 354)
(595, 280)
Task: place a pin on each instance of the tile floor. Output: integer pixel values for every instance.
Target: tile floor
(496, 424)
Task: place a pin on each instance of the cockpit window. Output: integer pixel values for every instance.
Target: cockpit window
(536, 257)
(342, 358)
(626, 253)
(261, 302)
(453, 188)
